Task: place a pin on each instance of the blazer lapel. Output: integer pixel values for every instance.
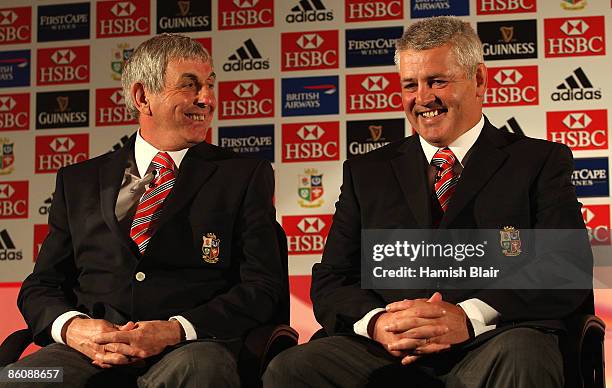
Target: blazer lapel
(486, 158)
(409, 167)
(111, 175)
(195, 169)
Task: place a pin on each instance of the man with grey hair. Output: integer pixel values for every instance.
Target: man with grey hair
(457, 172)
(162, 255)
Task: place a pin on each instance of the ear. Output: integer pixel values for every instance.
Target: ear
(139, 96)
(481, 80)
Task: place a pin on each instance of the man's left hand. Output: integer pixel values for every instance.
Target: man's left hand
(454, 320)
(146, 339)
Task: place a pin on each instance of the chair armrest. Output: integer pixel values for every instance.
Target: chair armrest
(14, 345)
(261, 345)
(585, 349)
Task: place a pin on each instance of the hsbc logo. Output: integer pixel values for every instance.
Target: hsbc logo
(575, 37)
(111, 109)
(493, 7)
(122, 18)
(54, 152)
(63, 66)
(15, 25)
(597, 221)
(579, 130)
(306, 234)
(373, 93)
(311, 142)
(14, 200)
(373, 10)
(512, 86)
(246, 99)
(310, 50)
(238, 14)
(15, 112)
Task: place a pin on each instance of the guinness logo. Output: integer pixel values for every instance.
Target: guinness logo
(62, 102)
(507, 33)
(375, 131)
(183, 7)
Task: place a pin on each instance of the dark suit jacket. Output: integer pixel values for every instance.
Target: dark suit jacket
(508, 180)
(87, 263)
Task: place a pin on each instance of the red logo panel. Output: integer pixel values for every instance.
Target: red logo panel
(246, 99)
(597, 221)
(15, 25)
(67, 65)
(40, 233)
(123, 18)
(309, 50)
(14, 112)
(111, 109)
(54, 152)
(494, 7)
(509, 86)
(238, 14)
(13, 199)
(306, 235)
(575, 37)
(373, 10)
(206, 43)
(366, 93)
(579, 129)
(311, 142)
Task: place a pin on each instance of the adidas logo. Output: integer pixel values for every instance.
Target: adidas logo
(309, 11)
(576, 87)
(246, 57)
(8, 250)
(46, 206)
(513, 126)
(120, 144)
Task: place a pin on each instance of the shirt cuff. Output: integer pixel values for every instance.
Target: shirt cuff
(190, 333)
(58, 325)
(482, 316)
(361, 326)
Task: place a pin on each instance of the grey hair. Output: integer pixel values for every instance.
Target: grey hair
(147, 64)
(439, 31)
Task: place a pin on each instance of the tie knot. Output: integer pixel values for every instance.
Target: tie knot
(163, 161)
(444, 158)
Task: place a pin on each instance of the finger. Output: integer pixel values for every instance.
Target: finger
(436, 297)
(408, 323)
(409, 360)
(399, 305)
(422, 310)
(115, 336)
(101, 364)
(112, 358)
(431, 348)
(124, 349)
(406, 344)
(128, 326)
(425, 332)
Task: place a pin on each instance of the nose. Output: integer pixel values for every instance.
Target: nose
(424, 94)
(205, 98)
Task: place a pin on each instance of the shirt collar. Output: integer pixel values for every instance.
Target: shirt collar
(145, 152)
(459, 147)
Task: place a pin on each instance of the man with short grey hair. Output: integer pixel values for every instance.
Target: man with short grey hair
(457, 172)
(162, 255)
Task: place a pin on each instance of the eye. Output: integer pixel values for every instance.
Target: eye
(410, 86)
(439, 82)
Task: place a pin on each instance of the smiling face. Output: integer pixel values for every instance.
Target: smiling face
(440, 102)
(179, 116)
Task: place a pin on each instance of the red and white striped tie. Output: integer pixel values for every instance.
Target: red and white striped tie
(446, 180)
(151, 204)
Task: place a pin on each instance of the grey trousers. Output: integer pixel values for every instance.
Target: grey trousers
(517, 358)
(195, 364)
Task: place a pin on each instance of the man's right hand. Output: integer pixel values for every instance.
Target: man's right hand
(78, 332)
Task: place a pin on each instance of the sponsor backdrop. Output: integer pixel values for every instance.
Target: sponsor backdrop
(305, 84)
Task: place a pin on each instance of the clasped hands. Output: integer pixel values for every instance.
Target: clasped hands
(417, 327)
(108, 344)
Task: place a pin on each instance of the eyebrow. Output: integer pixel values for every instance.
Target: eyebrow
(195, 78)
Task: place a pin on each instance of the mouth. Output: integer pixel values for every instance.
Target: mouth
(431, 113)
(196, 116)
